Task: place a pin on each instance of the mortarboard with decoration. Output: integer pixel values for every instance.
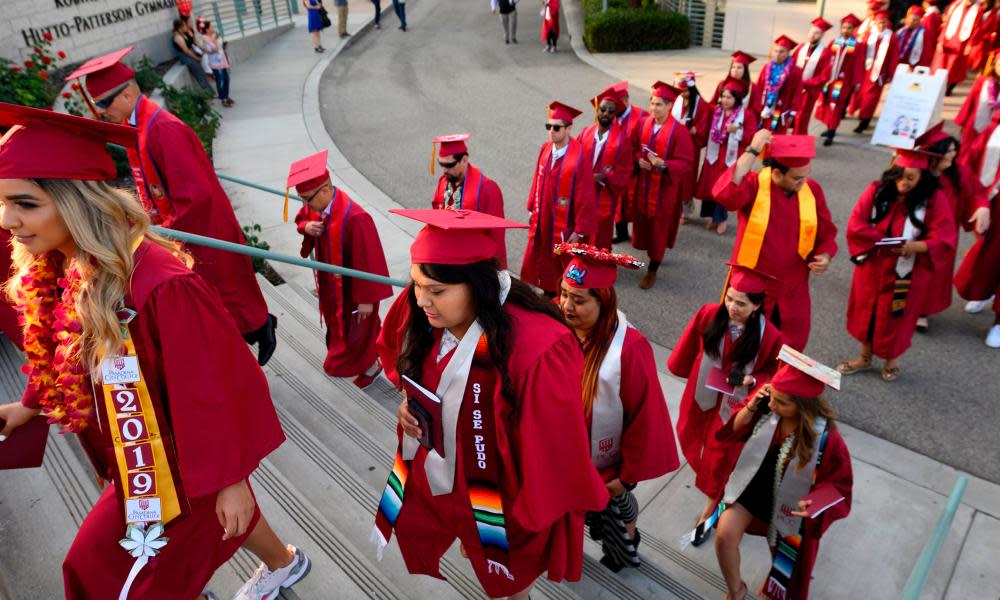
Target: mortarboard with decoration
(41, 144)
(591, 267)
(454, 237)
(306, 175)
(742, 57)
(785, 42)
(562, 112)
(685, 79)
(801, 376)
(792, 150)
(450, 145)
(104, 73)
(665, 91)
(821, 24)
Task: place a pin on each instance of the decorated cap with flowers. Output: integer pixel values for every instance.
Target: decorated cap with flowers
(592, 267)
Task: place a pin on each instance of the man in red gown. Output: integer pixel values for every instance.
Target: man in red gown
(180, 191)
(665, 154)
(847, 69)
(813, 59)
(463, 185)
(608, 142)
(562, 203)
(960, 30)
(788, 232)
(341, 233)
(914, 41)
(772, 98)
(631, 118)
(869, 21)
(882, 56)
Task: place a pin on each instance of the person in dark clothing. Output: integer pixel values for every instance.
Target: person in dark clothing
(189, 52)
(508, 18)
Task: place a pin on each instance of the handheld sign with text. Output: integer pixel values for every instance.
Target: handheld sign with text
(913, 102)
(822, 498)
(25, 448)
(426, 409)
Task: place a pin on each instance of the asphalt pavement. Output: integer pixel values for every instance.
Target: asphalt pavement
(392, 92)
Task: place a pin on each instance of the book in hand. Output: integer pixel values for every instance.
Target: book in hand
(822, 498)
(891, 242)
(718, 381)
(425, 407)
(25, 447)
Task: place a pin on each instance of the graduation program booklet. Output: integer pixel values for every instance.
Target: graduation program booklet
(25, 448)
(718, 381)
(892, 241)
(822, 499)
(425, 407)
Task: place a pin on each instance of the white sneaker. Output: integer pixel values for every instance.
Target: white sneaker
(977, 306)
(266, 584)
(993, 337)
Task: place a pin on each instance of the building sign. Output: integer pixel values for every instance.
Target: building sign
(82, 23)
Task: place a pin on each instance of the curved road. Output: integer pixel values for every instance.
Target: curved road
(390, 93)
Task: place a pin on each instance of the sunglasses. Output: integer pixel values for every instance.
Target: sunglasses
(106, 102)
(447, 165)
(551, 127)
(316, 193)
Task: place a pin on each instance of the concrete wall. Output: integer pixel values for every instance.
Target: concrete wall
(751, 25)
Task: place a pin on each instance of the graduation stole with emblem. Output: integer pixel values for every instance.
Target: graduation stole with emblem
(330, 250)
(149, 184)
(760, 214)
(841, 48)
(648, 203)
(562, 204)
(609, 159)
(469, 193)
(481, 457)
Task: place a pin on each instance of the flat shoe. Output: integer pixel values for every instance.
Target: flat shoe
(890, 374)
(922, 325)
(849, 367)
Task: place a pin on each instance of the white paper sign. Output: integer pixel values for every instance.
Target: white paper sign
(120, 369)
(913, 104)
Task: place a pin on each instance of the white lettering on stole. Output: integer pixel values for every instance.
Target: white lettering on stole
(480, 451)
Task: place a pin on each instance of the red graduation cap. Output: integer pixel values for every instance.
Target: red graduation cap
(931, 136)
(913, 159)
(931, 2)
(609, 93)
(451, 145)
(306, 175)
(875, 4)
(42, 144)
(104, 73)
(742, 57)
(736, 86)
(915, 10)
(749, 281)
(665, 91)
(592, 267)
(685, 79)
(454, 237)
(793, 150)
(821, 24)
(851, 19)
(883, 15)
(622, 88)
(563, 112)
(801, 376)
(785, 42)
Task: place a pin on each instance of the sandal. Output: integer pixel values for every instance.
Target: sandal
(889, 374)
(849, 367)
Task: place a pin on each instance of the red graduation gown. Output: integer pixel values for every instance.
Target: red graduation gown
(648, 448)
(350, 344)
(550, 20)
(489, 200)
(785, 102)
(696, 427)
(540, 267)
(700, 124)
(964, 198)
(202, 207)
(617, 168)
(779, 255)
(869, 305)
(851, 61)
(710, 172)
(953, 52)
(834, 471)
(871, 91)
(547, 482)
(221, 419)
(966, 118)
(987, 40)
(932, 23)
(907, 38)
(978, 276)
(657, 231)
(812, 84)
(9, 324)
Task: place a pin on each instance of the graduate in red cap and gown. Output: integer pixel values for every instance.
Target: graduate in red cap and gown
(729, 133)
(504, 371)
(899, 231)
(866, 25)
(978, 109)
(882, 56)
(608, 142)
(931, 21)
(337, 231)
(188, 403)
(961, 27)
(813, 59)
(692, 111)
(784, 422)
(739, 68)
(772, 99)
(179, 190)
(785, 228)
(727, 349)
(666, 155)
(986, 42)
(561, 202)
(915, 44)
(970, 205)
(631, 438)
(550, 24)
(847, 69)
(463, 185)
(630, 117)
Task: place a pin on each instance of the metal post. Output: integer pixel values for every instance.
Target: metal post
(218, 19)
(918, 577)
(274, 13)
(604, 6)
(293, 8)
(257, 9)
(822, 7)
(239, 19)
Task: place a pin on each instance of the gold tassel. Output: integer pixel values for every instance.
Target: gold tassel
(433, 147)
(284, 213)
(725, 287)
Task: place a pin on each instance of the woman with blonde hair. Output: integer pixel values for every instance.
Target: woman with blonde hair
(133, 352)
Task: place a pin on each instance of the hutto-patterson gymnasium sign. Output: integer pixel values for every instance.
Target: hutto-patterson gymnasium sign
(88, 22)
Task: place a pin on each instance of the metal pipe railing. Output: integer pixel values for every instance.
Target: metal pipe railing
(257, 186)
(922, 568)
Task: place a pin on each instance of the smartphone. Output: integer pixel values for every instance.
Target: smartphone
(764, 404)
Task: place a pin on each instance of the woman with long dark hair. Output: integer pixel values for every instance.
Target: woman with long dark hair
(631, 438)
(739, 68)
(899, 229)
(727, 349)
(789, 477)
(489, 370)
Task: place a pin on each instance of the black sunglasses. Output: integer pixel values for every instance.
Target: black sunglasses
(552, 127)
(106, 102)
(316, 193)
(447, 165)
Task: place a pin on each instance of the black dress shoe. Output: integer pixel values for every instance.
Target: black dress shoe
(621, 233)
(267, 340)
(828, 141)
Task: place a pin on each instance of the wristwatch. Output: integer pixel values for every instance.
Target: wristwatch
(752, 150)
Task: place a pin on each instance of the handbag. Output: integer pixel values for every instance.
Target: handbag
(324, 18)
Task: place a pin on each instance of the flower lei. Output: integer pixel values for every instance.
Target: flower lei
(779, 472)
(772, 85)
(720, 126)
(56, 378)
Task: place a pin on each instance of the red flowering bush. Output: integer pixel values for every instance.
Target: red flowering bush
(32, 84)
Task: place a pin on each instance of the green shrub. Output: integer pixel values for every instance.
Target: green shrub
(146, 75)
(623, 29)
(250, 233)
(193, 105)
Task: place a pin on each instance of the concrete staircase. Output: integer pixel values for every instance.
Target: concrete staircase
(319, 490)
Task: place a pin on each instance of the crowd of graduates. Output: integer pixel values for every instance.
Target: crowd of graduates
(139, 345)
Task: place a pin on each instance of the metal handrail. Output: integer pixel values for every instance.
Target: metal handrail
(922, 568)
(245, 15)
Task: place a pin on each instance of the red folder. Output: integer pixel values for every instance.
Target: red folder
(822, 499)
(425, 407)
(717, 381)
(25, 447)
